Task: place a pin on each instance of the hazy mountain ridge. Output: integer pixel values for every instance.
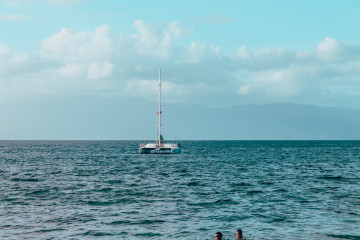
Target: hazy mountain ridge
(86, 118)
(278, 122)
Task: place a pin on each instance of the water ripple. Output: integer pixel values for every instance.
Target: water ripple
(105, 190)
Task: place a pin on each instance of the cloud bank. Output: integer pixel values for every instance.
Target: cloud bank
(100, 62)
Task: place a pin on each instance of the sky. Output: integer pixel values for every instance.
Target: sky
(212, 53)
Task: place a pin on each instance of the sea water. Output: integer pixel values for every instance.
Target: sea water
(106, 190)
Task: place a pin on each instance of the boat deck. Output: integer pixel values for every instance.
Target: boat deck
(166, 148)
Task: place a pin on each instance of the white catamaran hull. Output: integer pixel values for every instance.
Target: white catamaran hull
(163, 149)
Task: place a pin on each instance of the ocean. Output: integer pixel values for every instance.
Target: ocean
(106, 190)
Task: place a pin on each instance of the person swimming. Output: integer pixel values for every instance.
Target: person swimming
(218, 236)
(239, 234)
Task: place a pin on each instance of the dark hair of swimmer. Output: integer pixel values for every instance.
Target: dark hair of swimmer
(218, 236)
(239, 234)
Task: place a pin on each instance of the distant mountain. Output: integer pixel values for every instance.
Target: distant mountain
(270, 122)
(100, 118)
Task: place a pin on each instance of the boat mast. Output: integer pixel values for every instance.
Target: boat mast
(159, 112)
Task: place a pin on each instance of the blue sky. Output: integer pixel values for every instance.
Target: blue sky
(213, 53)
(256, 24)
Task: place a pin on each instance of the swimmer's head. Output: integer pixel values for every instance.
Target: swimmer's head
(218, 236)
(239, 234)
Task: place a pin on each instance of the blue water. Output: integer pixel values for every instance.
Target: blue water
(106, 190)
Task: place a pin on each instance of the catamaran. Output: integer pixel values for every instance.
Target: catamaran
(159, 147)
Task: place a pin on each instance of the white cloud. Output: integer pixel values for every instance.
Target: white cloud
(12, 3)
(264, 58)
(329, 49)
(174, 92)
(278, 85)
(313, 77)
(13, 17)
(172, 32)
(198, 52)
(149, 41)
(71, 71)
(68, 45)
(100, 70)
(101, 62)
